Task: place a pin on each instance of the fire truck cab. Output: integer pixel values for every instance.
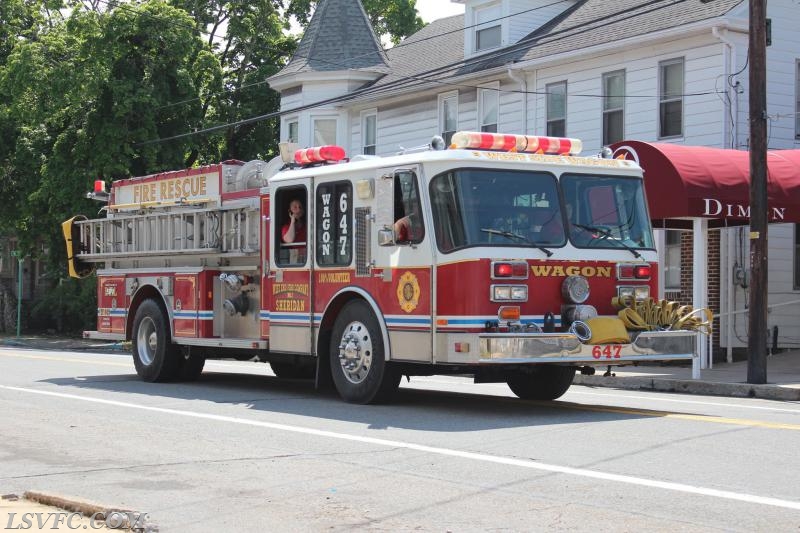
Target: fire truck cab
(506, 257)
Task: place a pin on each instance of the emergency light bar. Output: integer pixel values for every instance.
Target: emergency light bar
(470, 140)
(319, 154)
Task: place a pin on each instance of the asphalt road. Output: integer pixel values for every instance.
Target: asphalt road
(240, 450)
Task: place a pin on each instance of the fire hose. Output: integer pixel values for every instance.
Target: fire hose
(650, 315)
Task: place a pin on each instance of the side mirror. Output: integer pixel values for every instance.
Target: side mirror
(386, 237)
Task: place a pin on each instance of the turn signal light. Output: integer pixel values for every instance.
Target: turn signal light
(508, 312)
(511, 269)
(628, 271)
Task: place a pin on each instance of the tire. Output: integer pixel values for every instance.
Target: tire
(360, 371)
(293, 371)
(154, 355)
(191, 367)
(543, 383)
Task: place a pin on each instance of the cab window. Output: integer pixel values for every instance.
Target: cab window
(291, 227)
(334, 223)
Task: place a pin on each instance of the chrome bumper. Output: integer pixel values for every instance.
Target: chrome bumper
(501, 348)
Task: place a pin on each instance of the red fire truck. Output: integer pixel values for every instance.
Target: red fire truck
(497, 257)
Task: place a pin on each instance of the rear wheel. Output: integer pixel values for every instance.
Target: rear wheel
(154, 355)
(543, 383)
(358, 358)
(191, 367)
(293, 370)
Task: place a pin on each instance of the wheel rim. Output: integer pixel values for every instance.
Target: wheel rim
(146, 341)
(355, 352)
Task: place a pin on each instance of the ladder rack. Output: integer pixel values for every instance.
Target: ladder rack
(197, 231)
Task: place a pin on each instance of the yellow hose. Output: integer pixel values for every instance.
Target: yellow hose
(649, 315)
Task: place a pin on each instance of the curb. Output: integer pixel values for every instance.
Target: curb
(686, 386)
(86, 508)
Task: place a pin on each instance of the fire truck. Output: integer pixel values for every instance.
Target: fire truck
(503, 257)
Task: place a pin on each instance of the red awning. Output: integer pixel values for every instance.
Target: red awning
(695, 181)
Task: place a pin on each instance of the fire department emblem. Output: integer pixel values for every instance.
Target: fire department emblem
(408, 292)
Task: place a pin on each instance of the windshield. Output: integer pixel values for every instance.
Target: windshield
(606, 212)
(474, 207)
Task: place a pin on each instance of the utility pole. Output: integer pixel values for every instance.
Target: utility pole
(757, 340)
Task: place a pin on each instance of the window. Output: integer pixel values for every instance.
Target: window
(670, 95)
(556, 109)
(369, 126)
(672, 260)
(613, 107)
(488, 28)
(334, 220)
(797, 100)
(408, 227)
(488, 104)
(293, 128)
(448, 116)
(291, 227)
(324, 131)
(495, 207)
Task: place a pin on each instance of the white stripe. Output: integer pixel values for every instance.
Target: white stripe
(472, 456)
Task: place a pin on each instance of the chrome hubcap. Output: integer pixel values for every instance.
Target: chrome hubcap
(355, 352)
(146, 341)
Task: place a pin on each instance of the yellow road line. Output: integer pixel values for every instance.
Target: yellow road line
(63, 359)
(681, 416)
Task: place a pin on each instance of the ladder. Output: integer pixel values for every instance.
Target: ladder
(196, 231)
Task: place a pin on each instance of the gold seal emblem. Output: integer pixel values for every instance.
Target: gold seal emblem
(408, 292)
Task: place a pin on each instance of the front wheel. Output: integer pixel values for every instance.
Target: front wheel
(154, 355)
(543, 383)
(358, 358)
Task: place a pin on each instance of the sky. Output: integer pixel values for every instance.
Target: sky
(430, 10)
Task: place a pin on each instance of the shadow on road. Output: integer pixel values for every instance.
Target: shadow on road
(420, 410)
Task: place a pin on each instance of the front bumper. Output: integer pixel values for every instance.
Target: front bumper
(517, 348)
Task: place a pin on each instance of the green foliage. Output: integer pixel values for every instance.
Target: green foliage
(70, 307)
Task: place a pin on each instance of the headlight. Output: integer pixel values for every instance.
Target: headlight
(509, 293)
(642, 292)
(575, 289)
(637, 293)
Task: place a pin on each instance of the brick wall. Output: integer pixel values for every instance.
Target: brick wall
(684, 296)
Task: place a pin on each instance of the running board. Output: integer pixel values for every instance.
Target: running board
(247, 344)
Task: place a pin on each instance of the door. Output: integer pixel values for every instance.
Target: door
(402, 255)
(291, 260)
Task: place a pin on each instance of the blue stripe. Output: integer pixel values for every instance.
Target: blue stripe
(423, 321)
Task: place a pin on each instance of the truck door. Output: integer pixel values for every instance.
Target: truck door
(290, 312)
(402, 255)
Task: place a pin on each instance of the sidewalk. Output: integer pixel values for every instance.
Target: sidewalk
(725, 379)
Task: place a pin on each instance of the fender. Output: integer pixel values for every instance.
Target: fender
(147, 290)
(375, 309)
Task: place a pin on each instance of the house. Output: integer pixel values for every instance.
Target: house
(656, 70)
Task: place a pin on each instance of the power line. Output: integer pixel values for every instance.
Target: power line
(423, 78)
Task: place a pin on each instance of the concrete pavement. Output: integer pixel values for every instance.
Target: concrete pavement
(725, 379)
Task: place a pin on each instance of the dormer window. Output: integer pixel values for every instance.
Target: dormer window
(488, 27)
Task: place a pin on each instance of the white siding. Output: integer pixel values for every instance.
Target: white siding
(781, 66)
(525, 16)
(703, 114)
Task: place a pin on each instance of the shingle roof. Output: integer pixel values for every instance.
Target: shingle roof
(338, 37)
(437, 51)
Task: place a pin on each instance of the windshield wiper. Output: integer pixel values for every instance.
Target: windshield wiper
(518, 237)
(606, 234)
